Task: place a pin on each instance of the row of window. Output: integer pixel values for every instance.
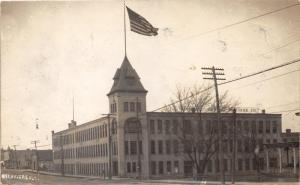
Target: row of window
(133, 167)
(100, 150)
(86, 135)
(132, 147)
(160, 146)
(172, 146)
(169, 167)
(168, 127)
(132, 106)
(90, 169)
(157, 167)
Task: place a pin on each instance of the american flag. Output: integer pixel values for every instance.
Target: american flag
(140, 25)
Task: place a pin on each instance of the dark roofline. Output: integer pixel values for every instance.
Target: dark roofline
(131, 91)
(81, 125)
(212, 113)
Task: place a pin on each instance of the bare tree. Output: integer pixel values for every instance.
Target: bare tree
(198, 146)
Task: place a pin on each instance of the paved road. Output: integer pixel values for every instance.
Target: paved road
(59, 180)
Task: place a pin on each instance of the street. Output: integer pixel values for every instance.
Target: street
(59, 180)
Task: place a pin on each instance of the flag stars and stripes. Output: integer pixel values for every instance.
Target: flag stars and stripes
(140, 25)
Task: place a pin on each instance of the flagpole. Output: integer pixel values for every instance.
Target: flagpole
(125, 31)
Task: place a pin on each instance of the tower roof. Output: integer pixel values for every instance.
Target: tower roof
(126, 79)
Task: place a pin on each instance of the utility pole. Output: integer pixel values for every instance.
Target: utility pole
(109, 146)
(37, 157)
(62, 166)
(233, 148)
(214, 74)
(16, 156)
(138, 137)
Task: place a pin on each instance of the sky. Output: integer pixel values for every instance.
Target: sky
(54, 51)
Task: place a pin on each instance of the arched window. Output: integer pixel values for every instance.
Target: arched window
(132, 125)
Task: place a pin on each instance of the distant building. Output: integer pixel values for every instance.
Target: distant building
(148, 143)
(18, 159)
(26, 159)
(44, 160)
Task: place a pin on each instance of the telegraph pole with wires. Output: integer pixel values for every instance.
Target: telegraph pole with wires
(139, 129)
(62, 155)
(37, 156)
(233, 148)
(109, 145)
(214, 76)
(16, 156)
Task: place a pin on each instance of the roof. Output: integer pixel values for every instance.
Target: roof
(190, 114)
(126, 79)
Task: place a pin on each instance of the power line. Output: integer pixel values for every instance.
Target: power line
(240, 22)
(233, 80)
(282, 104)
(285, 111)
(262, 71)
(277, 76)
(279, 47)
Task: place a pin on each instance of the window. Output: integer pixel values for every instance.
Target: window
(169, 167)
(175, 126)
(133, 148)
(152, 127)
(240, 164)
(105, 130)
(128, 167)
(161, 167)
(176, 166)
(167, 126)
(239, 126)
(274, 140)
(133, 167)
(139, 107)
(200, 128)
(239, 145)
(208, 127)
(159, 126)
(132, 107)
(224, 127)
(160, 146)
(268, 126)
(253, 127)
(153, 167)
(209, 166)
(126, 107)
(247, 164)
(140, 147)
(175, 146)
(225, 146)
(217, 165)
(152, 147)
(225, 165)
(254, 164)
(187, 126)
(246, 126)
(126, 148)
(274, 127)
(168, 146)
(247, 145)
(230, 145)
(260, 126)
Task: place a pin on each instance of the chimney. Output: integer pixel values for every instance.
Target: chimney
(52, 132)
(288, 130)
(72, 124)
(263, 111)
(193, 110)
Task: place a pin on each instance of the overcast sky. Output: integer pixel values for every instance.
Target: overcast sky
(52, 51)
